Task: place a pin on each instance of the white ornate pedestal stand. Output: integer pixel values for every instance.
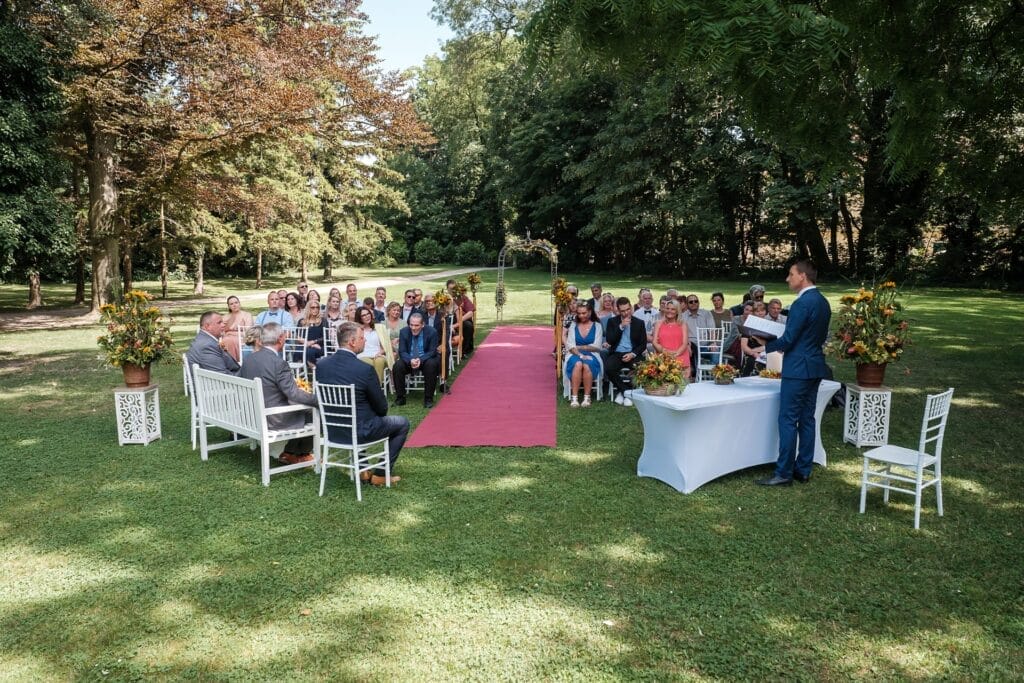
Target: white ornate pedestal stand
(867, 415)
(138, 414)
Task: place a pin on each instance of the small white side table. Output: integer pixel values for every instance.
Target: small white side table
(138, 414)
(867, 415)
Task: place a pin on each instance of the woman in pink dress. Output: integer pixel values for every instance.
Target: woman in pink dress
(670, 335)
(235, 319)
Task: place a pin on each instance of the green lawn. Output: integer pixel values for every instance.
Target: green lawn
(143, 562)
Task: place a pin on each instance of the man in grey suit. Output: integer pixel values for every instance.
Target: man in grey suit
(279, 389)
(372, 419)
(206, 351)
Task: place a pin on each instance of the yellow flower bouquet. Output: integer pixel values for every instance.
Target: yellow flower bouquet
(135, 333)
(660, 373)
(870, 327)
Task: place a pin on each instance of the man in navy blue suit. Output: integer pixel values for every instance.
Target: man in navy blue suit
(372, 419)
(417, 352)
(803, 368)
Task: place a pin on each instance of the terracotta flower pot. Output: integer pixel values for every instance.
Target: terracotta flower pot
(870, 374)
(135, 375)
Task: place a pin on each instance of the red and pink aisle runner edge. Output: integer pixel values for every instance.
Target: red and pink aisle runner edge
(504, 396)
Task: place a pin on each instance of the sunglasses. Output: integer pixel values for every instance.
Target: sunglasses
(692, 301)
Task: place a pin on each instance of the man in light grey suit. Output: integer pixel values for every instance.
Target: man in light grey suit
(279, 389)
(206, 351)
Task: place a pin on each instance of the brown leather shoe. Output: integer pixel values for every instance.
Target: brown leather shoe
(365, 476)
(292, 459)
(378, 480)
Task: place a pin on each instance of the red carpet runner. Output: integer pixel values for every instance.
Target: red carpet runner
(504, 396)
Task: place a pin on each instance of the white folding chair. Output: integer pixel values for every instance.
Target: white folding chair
(193, 405)
(709, 351)
(295, 351)
(338, 413)
(912, 464)
(389, 355)
(330, 340)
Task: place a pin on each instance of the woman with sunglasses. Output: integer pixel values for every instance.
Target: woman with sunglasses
(670, 335)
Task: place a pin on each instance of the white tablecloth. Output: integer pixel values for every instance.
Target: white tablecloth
(712, 430)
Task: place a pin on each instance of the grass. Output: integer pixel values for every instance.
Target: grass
(143, 562)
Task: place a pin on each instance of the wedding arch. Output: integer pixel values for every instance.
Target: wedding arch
(525, 245)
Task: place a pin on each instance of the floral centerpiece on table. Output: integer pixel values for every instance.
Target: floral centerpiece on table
(136, 336)
(661, 374)
(870, 326)
(723, 373)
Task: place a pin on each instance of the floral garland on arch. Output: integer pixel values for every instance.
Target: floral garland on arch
(870, 326)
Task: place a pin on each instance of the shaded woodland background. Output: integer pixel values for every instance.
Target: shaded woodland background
(161, 139)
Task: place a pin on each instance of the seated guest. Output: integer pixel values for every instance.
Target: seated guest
(671, 336)
(295, 307)
(468, 318)
(334, 292)
(626, 340)
(775, 311)
(206, 350)
(607, 308)
(274, 312)
(394, 324)
(646, 311)
(351, 294)
(373, 351)
(732, 341)
(302, 287)
(314, 322)
(583, 360)
(235, 324)
(418, 298)
(380, 303)
(350, 312)
(409, 307)
(434, 317)
(333, 315)
(719, 312)
(755, 293)
(596, 293)
(372, 419)
(696, 317)
(751, 348)
(313, 296)
(279, 389)
(253, 338)
(417, 352)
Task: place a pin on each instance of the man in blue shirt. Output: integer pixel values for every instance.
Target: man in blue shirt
(417, 352)
(275, 313)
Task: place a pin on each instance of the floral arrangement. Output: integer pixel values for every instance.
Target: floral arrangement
(442, 299)
(474, 281)
(500, 297)
(458, 290)
(724, 371)
(658, 370)
(135, 331)
(303, 383)
(558, 284)
(560, 291)
(870, 326)
(770, 374)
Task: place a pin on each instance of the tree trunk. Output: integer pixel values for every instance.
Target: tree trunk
(303, 265)
(199, 284)
(106, 280)
(127, 275)
(851, 248)
(833, 236)
(259, 268)
(81, 234)
(163, 252)
(35, 290)
(871, 213)
(328, 268)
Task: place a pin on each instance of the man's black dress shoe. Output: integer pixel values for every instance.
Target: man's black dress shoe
(400, 401)
(428, 404)
(774, 481)
(801, 478)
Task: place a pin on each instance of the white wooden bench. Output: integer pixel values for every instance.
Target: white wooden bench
(236, 404)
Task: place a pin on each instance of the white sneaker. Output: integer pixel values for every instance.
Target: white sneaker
(626, 402)
(619, 398)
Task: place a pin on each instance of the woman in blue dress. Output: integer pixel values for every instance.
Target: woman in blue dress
(583, 355)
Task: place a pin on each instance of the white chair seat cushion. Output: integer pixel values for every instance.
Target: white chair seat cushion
(897, 455)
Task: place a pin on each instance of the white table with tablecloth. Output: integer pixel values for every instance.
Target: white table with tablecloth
(711, 430)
